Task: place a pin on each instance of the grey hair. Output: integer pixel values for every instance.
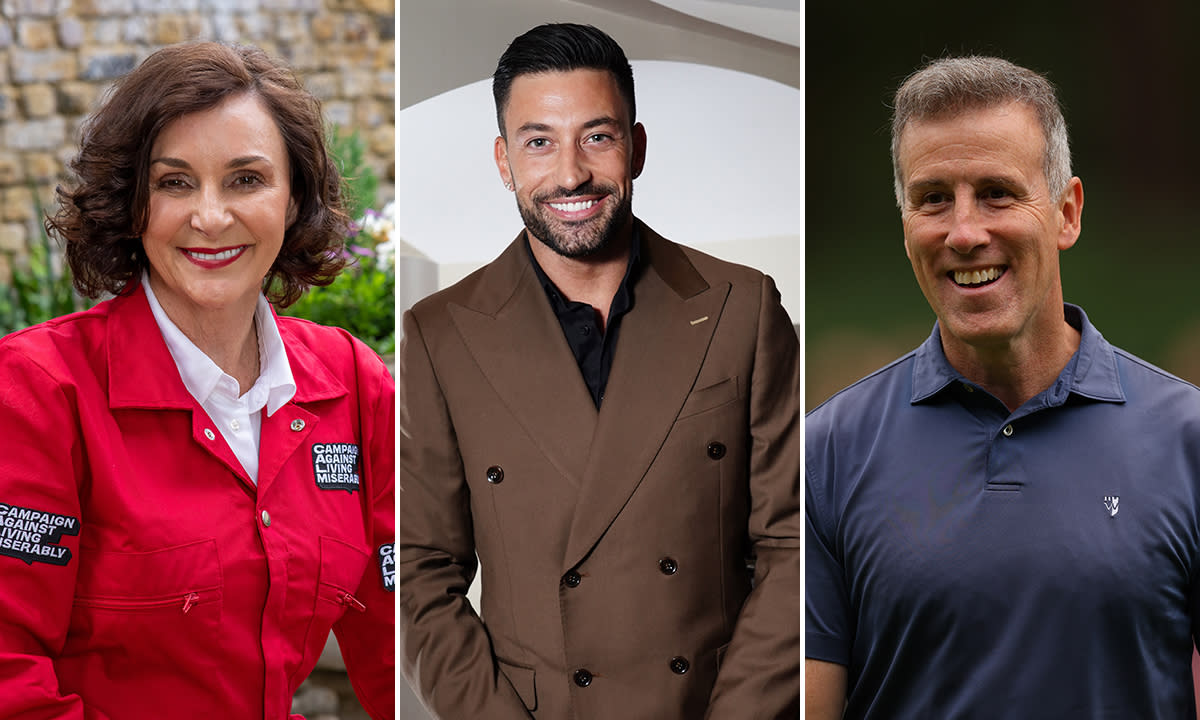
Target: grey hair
(949, 86)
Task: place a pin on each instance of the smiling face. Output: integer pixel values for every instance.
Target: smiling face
(571, 157)
(220, 202)
(982, 230)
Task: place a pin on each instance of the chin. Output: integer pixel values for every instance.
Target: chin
(978, 334)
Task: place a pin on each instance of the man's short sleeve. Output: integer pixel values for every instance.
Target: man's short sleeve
(828, 623)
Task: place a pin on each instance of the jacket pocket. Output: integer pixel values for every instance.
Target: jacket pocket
(721, 655)
(148, 599)
(339, 573)
(522, 680)
(709, 397)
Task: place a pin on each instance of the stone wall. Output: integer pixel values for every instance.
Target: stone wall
(57, 57)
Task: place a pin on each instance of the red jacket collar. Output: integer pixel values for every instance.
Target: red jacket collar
(142, 373)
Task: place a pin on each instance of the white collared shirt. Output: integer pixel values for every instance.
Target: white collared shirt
(238, 418)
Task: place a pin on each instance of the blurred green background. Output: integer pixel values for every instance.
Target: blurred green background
(1126, 73)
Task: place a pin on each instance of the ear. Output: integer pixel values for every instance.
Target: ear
(500, 151)
(293, 212)
(1071, 207)
(639, 149)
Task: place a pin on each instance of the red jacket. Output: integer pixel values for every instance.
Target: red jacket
(142, 574)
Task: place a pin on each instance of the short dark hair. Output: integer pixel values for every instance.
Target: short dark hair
(101, 219)
(561, 47)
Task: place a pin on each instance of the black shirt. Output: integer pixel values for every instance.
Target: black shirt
(593, 349)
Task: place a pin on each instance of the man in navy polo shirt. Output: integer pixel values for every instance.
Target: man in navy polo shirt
(1005, 522)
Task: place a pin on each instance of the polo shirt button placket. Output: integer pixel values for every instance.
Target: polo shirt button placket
(1008, 430)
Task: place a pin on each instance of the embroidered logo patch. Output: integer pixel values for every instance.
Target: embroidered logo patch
(1112, 503)
(33, 536)
(387, 566)
(335, 466)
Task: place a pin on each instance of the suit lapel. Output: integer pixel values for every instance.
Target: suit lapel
(518, 344)
(661, 347)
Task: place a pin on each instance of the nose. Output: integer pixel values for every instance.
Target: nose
(210, 216)
(967, 230)
(572, 168)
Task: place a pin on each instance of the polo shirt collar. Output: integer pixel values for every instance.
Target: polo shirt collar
(1091, 372)
(201, 375)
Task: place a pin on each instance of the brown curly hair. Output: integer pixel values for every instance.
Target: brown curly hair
(101, 219)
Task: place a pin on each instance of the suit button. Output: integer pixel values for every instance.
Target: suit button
(667, 566)
(495, 474)
(679, 665)
(716, 450)
(583, 678)
(572, 579)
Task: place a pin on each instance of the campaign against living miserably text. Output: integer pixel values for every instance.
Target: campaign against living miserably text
(33, 535)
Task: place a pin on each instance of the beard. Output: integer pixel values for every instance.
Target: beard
(582, 238)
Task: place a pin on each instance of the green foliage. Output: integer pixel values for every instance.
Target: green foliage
(40, 288)
(350, 152)
(362, 299)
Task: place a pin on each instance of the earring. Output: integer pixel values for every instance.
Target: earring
(508, 186)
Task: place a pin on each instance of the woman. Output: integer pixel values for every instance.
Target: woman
(194, 491)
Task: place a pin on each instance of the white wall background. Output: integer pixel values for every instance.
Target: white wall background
(722, 172)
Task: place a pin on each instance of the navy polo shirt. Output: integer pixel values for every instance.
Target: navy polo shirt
(965, 561)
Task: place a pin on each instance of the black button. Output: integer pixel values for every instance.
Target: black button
(585, 329)
(572, 579)
(716, 450)
(495, 474)
(667, 566)
(679, 665)
(583, 678)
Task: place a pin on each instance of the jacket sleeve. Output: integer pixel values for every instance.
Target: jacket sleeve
(41, 469)
(759, 675)
(366, 639)
(447, 652)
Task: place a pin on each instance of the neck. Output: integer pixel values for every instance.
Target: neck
(1017, 370)
(594, 279)
(227, 335)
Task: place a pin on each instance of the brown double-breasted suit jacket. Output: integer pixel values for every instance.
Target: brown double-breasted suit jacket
(615, 543)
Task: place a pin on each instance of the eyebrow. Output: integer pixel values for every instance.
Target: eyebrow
(238, 162)
(543, 127)
(599, 121)
(934, 183)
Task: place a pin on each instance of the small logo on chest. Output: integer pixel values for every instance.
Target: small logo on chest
(335, 466)
(1112, 503)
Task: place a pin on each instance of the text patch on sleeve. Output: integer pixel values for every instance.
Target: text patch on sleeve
(32, 535)
(387, 566)
(335, 466)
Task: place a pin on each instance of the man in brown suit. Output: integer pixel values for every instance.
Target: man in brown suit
(634, 504)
